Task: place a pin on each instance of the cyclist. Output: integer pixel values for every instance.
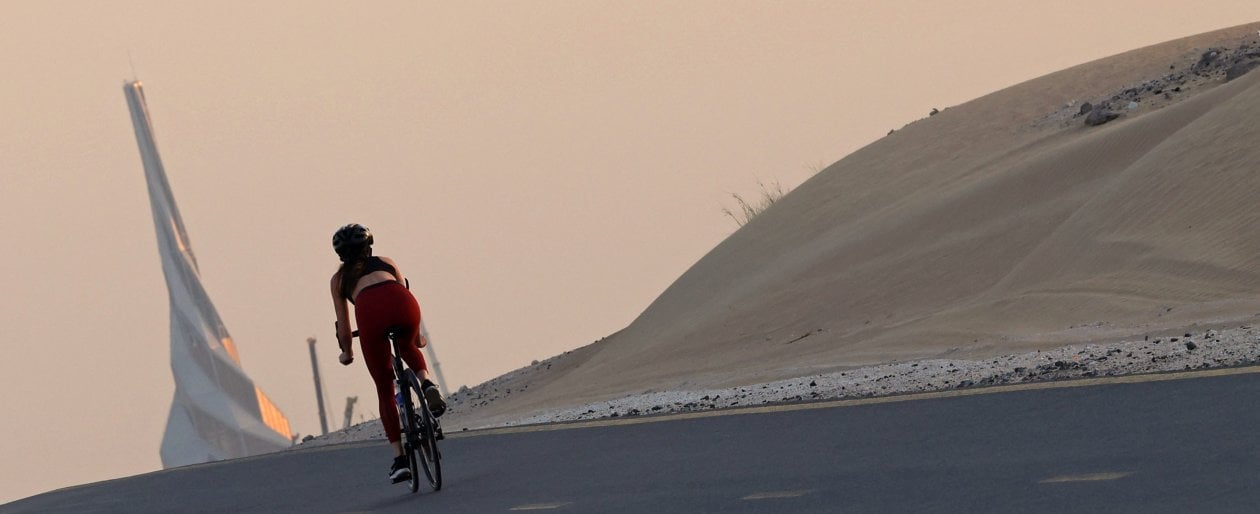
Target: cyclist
(375, 286)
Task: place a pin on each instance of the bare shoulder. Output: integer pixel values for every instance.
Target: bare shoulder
(397, 269)
(336, 278)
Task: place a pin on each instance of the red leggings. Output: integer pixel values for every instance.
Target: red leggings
(378, 308)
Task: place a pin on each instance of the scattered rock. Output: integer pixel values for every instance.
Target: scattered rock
(1100, 115)
(934, 112)
(1241, 69)
(1190, 345)
(1085, 108)
(1208, 57)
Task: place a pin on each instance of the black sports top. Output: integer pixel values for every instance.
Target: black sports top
(373, 264)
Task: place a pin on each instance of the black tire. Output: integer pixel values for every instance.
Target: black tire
(429, 456)
(411, 435)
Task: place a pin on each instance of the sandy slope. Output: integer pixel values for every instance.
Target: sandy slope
(998, 226)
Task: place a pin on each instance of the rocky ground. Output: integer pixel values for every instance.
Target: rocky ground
(1211, 67)
(1201, 350)
(1194, 73)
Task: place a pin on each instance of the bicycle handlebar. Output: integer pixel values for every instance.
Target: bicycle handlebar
(355, 333)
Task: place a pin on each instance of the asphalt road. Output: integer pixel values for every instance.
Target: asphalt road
(1187, 445)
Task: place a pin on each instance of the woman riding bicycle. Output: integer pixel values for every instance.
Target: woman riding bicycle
(382, 302)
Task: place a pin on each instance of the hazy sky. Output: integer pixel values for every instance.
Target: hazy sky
(542, 170)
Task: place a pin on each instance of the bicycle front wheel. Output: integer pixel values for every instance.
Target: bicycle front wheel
(428, 455)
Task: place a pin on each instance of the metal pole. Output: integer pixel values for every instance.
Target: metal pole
(319, 388)
(350, 401)
(437, 368)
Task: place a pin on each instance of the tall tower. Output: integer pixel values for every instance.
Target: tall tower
(217, 413)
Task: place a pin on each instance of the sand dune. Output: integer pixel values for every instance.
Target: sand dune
(1001, 225)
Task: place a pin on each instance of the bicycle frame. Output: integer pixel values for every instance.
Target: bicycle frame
(419, 440)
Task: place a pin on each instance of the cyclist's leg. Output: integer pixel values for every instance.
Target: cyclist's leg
(407, 317)
(376, 355)
(415, 360)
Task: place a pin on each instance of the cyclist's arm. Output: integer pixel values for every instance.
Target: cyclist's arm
(344, 337)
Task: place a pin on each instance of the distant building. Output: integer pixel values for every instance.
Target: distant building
(217, 413)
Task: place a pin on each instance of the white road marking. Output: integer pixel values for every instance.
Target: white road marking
(771, 495)
(1087, 477)
(541, 506)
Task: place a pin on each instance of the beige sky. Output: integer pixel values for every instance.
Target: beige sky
(541, 170)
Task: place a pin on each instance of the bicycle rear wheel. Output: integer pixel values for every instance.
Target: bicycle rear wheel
(429, 456)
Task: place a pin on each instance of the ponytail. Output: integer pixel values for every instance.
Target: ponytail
(352, 266)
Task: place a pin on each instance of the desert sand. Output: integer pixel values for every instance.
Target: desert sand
(975, 246)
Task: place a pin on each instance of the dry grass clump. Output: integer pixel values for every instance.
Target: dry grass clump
(747, 210)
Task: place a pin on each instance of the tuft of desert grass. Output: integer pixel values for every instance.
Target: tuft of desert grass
(746, 210)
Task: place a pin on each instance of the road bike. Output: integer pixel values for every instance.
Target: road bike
(420, 428)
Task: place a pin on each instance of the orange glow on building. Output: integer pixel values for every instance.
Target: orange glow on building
(230, 347)
(272, 415)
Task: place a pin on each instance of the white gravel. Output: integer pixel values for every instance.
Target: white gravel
(1201, 350)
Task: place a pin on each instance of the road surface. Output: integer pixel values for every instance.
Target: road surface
(1183, 445)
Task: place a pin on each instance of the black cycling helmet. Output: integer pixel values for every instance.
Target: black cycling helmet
(351, 237)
